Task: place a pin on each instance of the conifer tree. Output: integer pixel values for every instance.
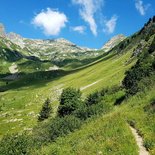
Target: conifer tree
(45, 111)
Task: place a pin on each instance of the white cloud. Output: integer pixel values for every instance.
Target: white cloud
(88, 8)
(50, 21)
(110, 24)
(141, 7)
(79, 29)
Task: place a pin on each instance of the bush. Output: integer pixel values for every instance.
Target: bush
(15, 145)
(150, 107)
(143, 68)
(86, 112)
(94, 98)
(104, 91)
(62, 126)
(70, 100)
(45, 111)
(152, 46)
(72, 113)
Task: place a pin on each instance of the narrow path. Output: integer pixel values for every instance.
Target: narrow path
(139, 140)
(85, 87)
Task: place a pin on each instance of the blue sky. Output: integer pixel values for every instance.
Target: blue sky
(87, 23)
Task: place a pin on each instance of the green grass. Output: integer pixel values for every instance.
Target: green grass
(138, 111)
(110, 133)
(29, 98)
(107, 134)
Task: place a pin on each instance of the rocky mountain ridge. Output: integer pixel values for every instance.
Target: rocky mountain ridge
(60, 52)
(113, 42)
(43, 49)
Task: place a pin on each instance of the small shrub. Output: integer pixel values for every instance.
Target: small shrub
(86, 112)
(15, 145)
(149, 143)
(132, 123)
(151, 107)
(103, 91)
(62, 126)
(94, 98)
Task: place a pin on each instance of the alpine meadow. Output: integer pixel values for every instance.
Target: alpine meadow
(59, 98)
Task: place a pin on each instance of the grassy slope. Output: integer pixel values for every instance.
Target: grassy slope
(110, 133)
(24, 103)
(137, 110)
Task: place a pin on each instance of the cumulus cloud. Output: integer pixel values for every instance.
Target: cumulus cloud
(142, 8)
(79, 29)
(50, 21)
(87, 11)
(110, 24)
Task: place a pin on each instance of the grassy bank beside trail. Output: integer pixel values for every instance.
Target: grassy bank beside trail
(110, 133)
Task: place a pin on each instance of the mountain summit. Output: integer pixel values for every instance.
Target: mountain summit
(113, 42)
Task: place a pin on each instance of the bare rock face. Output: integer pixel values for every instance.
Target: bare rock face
(43, 49)
(49, 49)
(2, 30)
(16, 39)
(113, 42)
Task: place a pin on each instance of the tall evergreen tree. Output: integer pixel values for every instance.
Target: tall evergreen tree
(70, 100)
(45, 111)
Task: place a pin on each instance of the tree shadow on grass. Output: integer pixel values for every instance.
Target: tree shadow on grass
(120, 100)
(41, 78)
(35, 80)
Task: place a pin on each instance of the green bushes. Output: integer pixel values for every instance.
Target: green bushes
(93, 98)
(47, 132)
(86, 111)
(15, 145)
(72, 112)
(62, 126)
(152, 46)
(93, 105)
(70, 100)
(151, 107)
(143, 68)
(45, 111)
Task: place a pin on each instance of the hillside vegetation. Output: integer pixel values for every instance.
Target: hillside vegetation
(85, 110)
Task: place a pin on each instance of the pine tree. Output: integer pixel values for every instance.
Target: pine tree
(70, 100)
(45, 111)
